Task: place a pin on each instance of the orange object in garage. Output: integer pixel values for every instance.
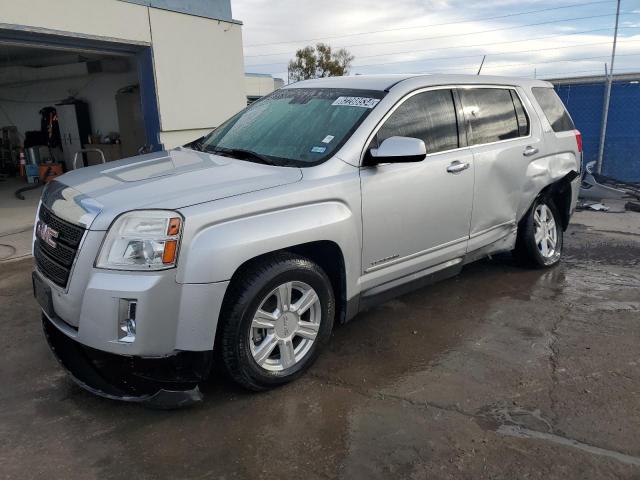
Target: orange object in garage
(49, 172)
(23, 163)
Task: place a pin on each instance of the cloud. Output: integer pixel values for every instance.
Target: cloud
(433, 36)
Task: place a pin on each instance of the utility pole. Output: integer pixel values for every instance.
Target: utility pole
(607, 95)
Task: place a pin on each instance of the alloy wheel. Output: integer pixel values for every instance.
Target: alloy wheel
(285, 326)
(546, 231)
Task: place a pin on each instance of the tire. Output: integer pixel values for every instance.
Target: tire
(540, 254)
(244, 347)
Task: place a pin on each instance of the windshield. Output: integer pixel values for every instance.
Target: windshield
(293, 126)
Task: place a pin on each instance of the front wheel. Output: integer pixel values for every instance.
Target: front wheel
(540, 235)
(278, 315)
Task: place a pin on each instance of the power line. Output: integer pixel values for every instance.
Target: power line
(478, 32)
(512, 27)
(495, 43)
(491, 55)
(579, 59)
(459, 46)
(477, 19)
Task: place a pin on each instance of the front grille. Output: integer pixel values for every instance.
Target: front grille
(61, 253)
(68, 232)
(51, 269)
(56, 262)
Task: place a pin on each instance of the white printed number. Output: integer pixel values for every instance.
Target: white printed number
(363, 102)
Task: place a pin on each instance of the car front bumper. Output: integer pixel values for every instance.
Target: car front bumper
(170, 316)
(165, 382)
(174, 339)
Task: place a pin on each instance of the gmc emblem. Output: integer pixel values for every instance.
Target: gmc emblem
(47, 234)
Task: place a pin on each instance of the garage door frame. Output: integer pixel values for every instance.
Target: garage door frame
(60, 40)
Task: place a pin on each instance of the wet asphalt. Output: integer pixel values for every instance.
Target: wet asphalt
(498, 373)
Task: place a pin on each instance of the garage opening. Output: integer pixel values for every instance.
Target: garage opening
(67, 103)
(60, 106)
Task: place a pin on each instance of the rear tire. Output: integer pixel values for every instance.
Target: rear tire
(540, 235)
(277, 316)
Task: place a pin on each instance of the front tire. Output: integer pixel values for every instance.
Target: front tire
(540, 235)
(277, 316)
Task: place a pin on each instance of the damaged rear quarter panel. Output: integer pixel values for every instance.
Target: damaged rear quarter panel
(543, 172)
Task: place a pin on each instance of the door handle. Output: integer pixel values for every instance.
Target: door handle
(528, 151)
(457, 167)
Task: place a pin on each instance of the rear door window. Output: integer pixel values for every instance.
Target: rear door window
(429, 116)
(490, 113)
(553, 109)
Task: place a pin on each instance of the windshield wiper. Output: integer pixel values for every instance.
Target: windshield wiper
(243, 154)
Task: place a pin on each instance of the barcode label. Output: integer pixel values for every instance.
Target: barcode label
(363, 102)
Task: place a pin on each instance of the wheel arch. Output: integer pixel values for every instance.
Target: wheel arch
(327, 254)
(560, 195)
(561, 192)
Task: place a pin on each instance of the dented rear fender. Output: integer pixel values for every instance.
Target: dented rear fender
(545, 172)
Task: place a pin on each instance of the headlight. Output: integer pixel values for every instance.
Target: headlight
(142, 240)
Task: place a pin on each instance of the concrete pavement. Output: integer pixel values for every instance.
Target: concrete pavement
(17, 217)
(498, 373)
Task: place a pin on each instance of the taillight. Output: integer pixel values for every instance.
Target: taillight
(579, 140)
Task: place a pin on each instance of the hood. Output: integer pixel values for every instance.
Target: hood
(168, 179)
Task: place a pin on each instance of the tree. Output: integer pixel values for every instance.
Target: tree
(320, 61)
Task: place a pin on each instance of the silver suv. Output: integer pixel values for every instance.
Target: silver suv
(242, 249)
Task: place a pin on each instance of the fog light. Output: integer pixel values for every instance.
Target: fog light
(127, 320)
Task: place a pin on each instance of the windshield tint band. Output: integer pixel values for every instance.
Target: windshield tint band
(302, 95)
(295, 126)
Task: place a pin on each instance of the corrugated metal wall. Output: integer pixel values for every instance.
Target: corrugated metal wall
(622, 146)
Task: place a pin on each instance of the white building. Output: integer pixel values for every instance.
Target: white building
(175, 65)
(260, 84)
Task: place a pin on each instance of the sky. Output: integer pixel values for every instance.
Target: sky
(569, 38)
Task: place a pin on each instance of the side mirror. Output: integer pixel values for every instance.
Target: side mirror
(397, 150)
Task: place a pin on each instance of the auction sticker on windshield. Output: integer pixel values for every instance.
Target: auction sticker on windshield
(363, 102)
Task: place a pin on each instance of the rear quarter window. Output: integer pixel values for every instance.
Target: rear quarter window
(553, 109)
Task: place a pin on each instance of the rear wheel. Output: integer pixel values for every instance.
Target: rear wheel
(278, 315)
(540, 235)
